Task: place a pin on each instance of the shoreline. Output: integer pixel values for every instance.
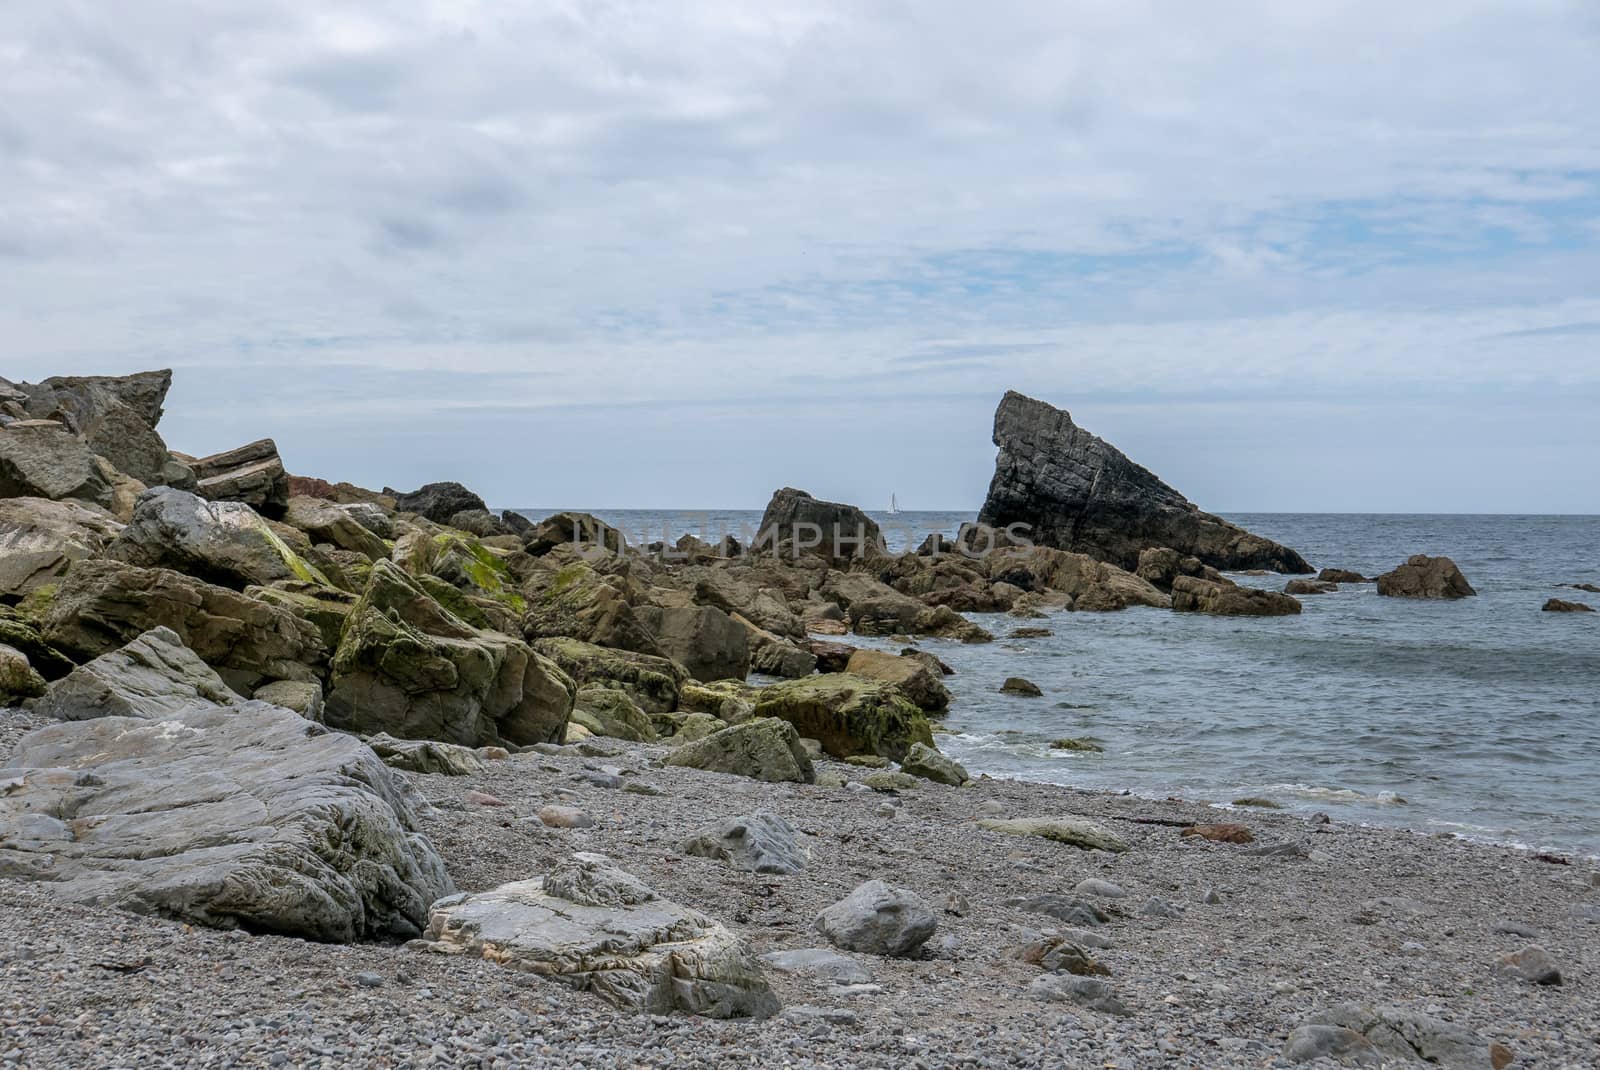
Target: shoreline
(1352, 914)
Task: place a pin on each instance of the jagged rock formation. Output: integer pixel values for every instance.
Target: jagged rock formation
(252, 473)
(1078, 492)
(795, 523)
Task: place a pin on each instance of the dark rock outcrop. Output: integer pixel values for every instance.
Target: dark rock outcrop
(1310, 587)
(116, 417)
(1560, 605)
(795, 523)
(1078, 492)
(1425, 577)
(1341, 575)
(436, 501)
(1191, 595)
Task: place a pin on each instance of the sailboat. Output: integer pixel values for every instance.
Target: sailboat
(894, 506)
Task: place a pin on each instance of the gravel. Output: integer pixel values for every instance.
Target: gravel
(1285, 935)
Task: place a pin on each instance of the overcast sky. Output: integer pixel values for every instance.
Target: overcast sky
(1322, 255)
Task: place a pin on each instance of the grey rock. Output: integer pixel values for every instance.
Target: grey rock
(925, 762)
(795, 523)
(303, 697)
(1079, 493)
(1344, 1046)
(116, 416)
(564, 817)
(152, 677)
(48, 461)
(1532, 964)
(593, 927)
(222, 542)
(427, 756)
(703, 639)
(1100, 888)
(1087, 992)
(756, 843)
(245, 816)
(1073, 831)
(822, 963)
(1063, 908)
(40, 538)
(353, 527)
(1156, 907)
(764, 749)
(437, 502)
(1408, 1035)
(1516, 928)
(252, 474)
(879, 920)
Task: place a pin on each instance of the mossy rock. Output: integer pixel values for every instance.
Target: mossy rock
(890, 780)
(730, 700)
(1076, 744)
(1257, 802)
(764, 749)
(695, 726)
(22, 635)
(926, 762)
(325, 608)
(655, 683)
(610, 712)
(848, 714)
(578, 602)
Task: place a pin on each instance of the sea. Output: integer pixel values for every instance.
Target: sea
(1479, 717)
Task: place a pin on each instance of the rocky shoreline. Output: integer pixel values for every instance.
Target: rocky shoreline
(383, 777)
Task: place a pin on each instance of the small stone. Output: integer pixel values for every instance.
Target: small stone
(482, 798)
(1212, 898)
(1257, 802)
(1156, 907)
(1222, 832)
(369, 980)
(1532, 964)
(1097, 887)
(640, 787)
(822, 963)
(564, 817)
(1088, 992)
(1516, 928)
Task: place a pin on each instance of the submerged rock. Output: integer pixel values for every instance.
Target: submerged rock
(1425, 577)
(246, 816)
(1557, 605)
(1310, 587)
(1190, 595)
(1017, 685)
(595, 928)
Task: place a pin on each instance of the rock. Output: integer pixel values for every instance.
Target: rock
(326, 609)
(1030, 633)
(1156, 907)
(822, 963)
(1558, 605)
(482, 523)
(925, 762)
(48, 461)
(1341, 575)
(868, 761)
(437, 502)
(1064, 908)
(252, 474)
(1409, 1036)
(583, 533)
(40, 538)
(610, 712)
(1532, 964)
(1425, 577)
(427, 756)
(780, 657)
(653, 682)
(22, 636)
(1101, 888)
(1257, 802)
(578, 602)
(1077, 492)
(919, 684)
(848, 714)
(304, 698)
(795, 523)
(152, 677)
(1224, 832)
(473, 797)
(1309, 587)
(564, 817)
(409, 667)
(593, 927)
(935, 666)
(246, 816)
(225, 543)
(877, 919)
(1058, 955)
(729, 700)
(18, 680)
(831, 657)
(349, 527)
(1087, 992)
(696, 726)
(1070, 743)
(703, 639)
(1058, 579)
(890, 780)
(1073, 831)
(1515, 928)
(1016, 685)
(1191, 595)
(1308, 1043)
(1161, 565)
(765, 749)
(757, 843)
(101, 605)
(116, 417)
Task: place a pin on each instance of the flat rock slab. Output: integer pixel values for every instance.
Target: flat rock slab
(246, 816)
(756, 843)
(590, 925)
(823, 963)
(1073, 831)
(152, 677)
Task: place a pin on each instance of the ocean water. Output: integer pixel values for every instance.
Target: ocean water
(1479, 717)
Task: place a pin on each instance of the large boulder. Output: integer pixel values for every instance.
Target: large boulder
(42, 459)
(653, 682)
(764, 749)
(436, 501)
(607, 711)
(227, 543)
(1092, 585)
(19, 680)
(795, 523)
(848, 714)
(703, 639)
(1077, 492)
(101, 605)
(252, 474)
(582, 532)
(878, 919)
(1425, 577)
(1400, 1036)
(911, 675)
(578, 602)
(1161, 565)
(247, 817)
(39, 538)
(116, 417)
(1192, 595)
(154, 676)
(594, 927)
(409, 667)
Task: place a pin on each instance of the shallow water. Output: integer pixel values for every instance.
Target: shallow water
(1479, 717)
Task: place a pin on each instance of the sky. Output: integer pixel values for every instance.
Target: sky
(1329, 255)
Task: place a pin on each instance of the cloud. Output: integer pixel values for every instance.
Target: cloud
(704, 206)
